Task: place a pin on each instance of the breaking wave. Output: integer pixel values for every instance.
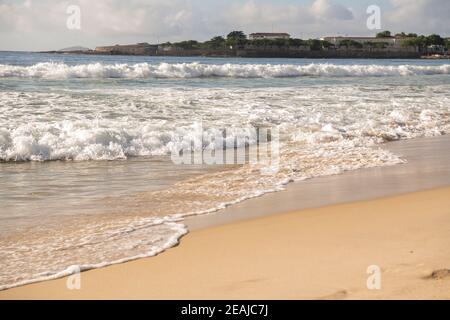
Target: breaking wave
(50, 70)
(325, 130)
(137, 129)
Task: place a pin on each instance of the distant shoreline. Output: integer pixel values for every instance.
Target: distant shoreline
(307, 55)
(269, 55)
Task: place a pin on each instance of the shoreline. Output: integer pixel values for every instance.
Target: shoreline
(422, 57)
(338, 57)
(321, 253)
(427, 167)
(421, 172)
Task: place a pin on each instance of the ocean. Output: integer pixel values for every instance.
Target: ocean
(87, 177)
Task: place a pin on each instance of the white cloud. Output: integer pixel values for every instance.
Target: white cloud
(163, 18)
(151, 18)
(300, 20)
(41, 24)
(325, 9)
(103, 17)
(25, 16)
(421, 16)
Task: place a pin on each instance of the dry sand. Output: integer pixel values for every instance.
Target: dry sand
(319, 253)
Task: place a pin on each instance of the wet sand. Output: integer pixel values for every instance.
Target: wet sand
(313, 254)
(427, 167)
(255, 251)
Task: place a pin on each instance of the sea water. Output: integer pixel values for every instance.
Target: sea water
(86, 177)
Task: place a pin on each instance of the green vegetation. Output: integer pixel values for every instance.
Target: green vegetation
(296, 42)
(350, 44)
(406, 35)
(236, 38)
(422, 42)
(384, 34)
(215, 43)
(239, 39)
(327, 44)
(315, 45)
(186, 45)
(377, 45)
(435, 39)
(236, 35)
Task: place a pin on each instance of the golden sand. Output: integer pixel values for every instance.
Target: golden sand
(319, 253)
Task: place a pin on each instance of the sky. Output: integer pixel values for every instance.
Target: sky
(37, 25)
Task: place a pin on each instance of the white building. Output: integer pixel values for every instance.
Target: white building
(269, 36)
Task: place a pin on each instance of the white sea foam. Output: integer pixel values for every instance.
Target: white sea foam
(49, 70)
(154, 121)
(95, 245)
(49, 254)
(325, 130)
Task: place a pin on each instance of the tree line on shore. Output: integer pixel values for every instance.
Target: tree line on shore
(239, 39)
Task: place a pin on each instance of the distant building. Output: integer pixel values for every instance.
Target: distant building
(133, 49)
(75, 49)
(269, 36)
(391, 42)
(435, 49)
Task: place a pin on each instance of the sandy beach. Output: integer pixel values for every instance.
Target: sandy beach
(316, 240)
(182, 151)
(319, 253)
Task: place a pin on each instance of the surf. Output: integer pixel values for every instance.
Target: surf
(53, 70)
